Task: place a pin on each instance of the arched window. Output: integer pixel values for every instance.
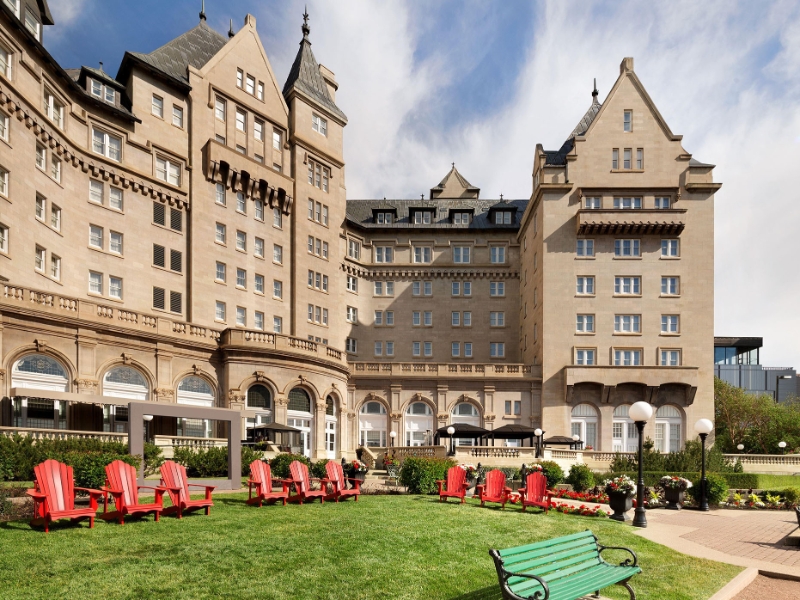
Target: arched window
(299, 400)
(196, 391)
(39, 372)
(419, 408)
(259, 398)
(330, 427)
(372, 425)
(668, 429)
(584, 424)
(419, 424)
(623, 431)
(330, 406)
(125, 382)
(465, 409)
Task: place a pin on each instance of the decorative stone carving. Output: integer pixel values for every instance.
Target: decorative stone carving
(489, 417)
(302, 379)
(195, 369)
(396, 416)
(164, 394)
(321, 406)
(86, 385)
(282, 401)
(126, 358)
(235, 396)
(442, 416)
(260, 376)
(41, 345)
(2, 375)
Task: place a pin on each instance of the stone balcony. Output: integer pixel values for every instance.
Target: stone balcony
(445, 370)
(630, 221)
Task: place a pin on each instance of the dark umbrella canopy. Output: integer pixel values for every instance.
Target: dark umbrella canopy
(559, 439)
(512, 432)
(464, 430)
(276, 427)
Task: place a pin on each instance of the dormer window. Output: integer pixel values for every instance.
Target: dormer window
(461, 218)
(32, 25)
(384, 218)
(14, 6)
(111, 95)
(503, 217)
(103, 92)
(423, 217)
(97, 88)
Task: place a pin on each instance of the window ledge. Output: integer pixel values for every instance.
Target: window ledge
(584, 258)
(626, 295)
(627, 258)
(665, 334)
(669, 296)
(670, 258)
(628, 334)
(585, 333)
(627, 170)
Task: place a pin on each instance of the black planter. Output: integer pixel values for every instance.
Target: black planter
(360, 476)
(674, 498)
(620, 503)
(471, 482)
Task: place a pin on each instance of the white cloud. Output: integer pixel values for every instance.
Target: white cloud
(65, 12)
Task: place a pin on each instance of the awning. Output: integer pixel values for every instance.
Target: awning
(559, 439)
(462, 430)
(512, 432)
(275, 427)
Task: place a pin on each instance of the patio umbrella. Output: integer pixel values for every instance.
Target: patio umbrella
(274, 427)
(462, 430)
(562, 440)
(513, 432)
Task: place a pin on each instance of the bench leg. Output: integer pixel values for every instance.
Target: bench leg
(628, 587)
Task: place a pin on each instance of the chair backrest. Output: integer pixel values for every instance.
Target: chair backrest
(495, 482)
(261, 472)
(535, 486)
(174, 476)
(335, 473)
(300, 476)
(456, 476)
(54, 480)
(122, 476)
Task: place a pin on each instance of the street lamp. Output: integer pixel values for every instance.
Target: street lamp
(778, 386)
(538, 433)
(450, 431)
(640, 412)
(740, 447)
(575, 439)
(782, 446)
(392, 435)
(147, 419)
(703, 427)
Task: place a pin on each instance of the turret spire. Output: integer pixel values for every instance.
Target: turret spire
(203, 10)
(305, 28)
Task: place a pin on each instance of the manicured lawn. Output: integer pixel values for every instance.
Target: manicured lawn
(380, 547)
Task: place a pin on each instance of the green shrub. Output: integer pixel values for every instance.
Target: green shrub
(212, 462)
(580, 477)
(153, 459)
(248, 456)
(280, 464)
(622, 464)
(420, 475)
(89, 468)
(318, 469)
(552, 473)
(791, 495)
(717, 488)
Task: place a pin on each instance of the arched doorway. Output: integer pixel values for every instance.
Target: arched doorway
(330, 427)
(372, 425)
(122, 382)
(39, 372)
(259, 399)
(668, 429)
(419, 424)
(584, 425)
(467, 413)
(195, 391)
(300, 417)
(624, 435)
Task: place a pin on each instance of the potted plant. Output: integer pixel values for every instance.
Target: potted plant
(674, 488)
(472, 475)
(620, 492)
(392, 466)
(356, 470)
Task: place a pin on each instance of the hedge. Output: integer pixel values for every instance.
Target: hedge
(279, 466)
(212, 462)
(651, 478)
(420, 475)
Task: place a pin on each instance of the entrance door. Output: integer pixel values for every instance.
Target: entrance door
(304, 425)
(330, 439)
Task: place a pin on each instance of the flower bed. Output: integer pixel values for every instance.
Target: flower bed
(744, 499)
(595, 496)
(582, 510)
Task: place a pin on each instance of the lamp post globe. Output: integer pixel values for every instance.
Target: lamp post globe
(703, 427)
(740, 447)
(392, 435)
(640, 413)
(782, 446)
(538, 433)
(450, 431)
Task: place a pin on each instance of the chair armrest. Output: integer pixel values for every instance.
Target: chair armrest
(627, 561)
(151, 487)
(108, 490)
(507, 490)
(90, 491)
(522, 491)
(479, 489)
(208, 487)
(440, 483)
(39, 496)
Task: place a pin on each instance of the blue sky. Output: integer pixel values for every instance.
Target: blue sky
(482, 82)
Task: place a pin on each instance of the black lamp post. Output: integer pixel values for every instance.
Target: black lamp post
(640, 412)
(538, 433)
(703, 427)
(450, 431)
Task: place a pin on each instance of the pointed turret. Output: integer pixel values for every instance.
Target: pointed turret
(306, 78)
(454, 185)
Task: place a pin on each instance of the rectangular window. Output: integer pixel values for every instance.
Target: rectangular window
(276, 139)
(384, 254)
(422, 254)
(615, 159)
(241, 316)
(115, 242)
(318, 176)
(584, 324)
(55, 266)
(584, 356)
(41, 157)
(115, 287)
(455, 319)
(498, 254)
(585, 286)
(626, 158)
(220, 109)
(251, 85)
(55, 168)
(427, 288)
(39, 258)
(627, 203)
(416, 318)
(55, 217)
(467, 288)
(461, 254)
(427, 318)
(95, 236)
(669, 324)
(258, 130)
(219, 311)
(277, 324)
(627, 324)
(5, 62)
(258, 247)
(389, 348)
(467, 319)
(168, 171)
(591, 203)
(379, 288)
(670, 248)
(416, 288)
(423, 217)
(158, 106)
(3, 238)
(258, 321)
(467, 349)
(106, 144)
(497, 288)
(241, 278)
(353, 249)
(670, 358)
(389, 318)
(175, 219)
(277, 254)
(503, 217)
(31, 24)
(241, 241)
(259, 283)
(220, 234)
(319, 124)
(220, 194)
(384, 218)
(54, 109)
(628, 286)
(277, 218)
(176, 260)
(241, 120)
(95, 191)
(498, 350)
(352, 284)
(627, 358)
(585, 248)
(455, 288)
(663, 203)
(455, 349)
(351, 346)
(640, 158)
(4, 121)
(351, 314)
(241, 202)
(159, 255)
(378, 317)
(497, 319)
(239, 78)
(277, 289)
(41, 202)
(670, 286)
(221, 272)
(428, 348)
(115, 198)
(177, 116)
(96, 282)
(627, 120)
(378, 348)
(627, 248)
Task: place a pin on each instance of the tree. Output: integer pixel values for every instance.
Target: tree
(738, 413)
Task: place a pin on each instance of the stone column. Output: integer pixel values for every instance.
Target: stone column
(319, 450)
(164, 389)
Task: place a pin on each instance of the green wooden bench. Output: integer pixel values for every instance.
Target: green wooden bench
(564, 568)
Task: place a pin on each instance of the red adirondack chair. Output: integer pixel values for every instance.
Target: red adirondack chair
(122, 485)
(302, 484)
(456, 484)
(54, 496)
(261, 478)
(535, 492)
(494, 490)
(339, 482)
(173, 478)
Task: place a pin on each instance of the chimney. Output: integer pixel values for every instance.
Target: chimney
(626, 65)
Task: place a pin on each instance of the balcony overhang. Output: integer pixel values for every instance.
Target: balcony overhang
(630, 222)
(609, 384)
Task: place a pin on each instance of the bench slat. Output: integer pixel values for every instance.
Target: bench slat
(545, 565)
(554, 572)
(546, 543)
(520, 561)
(578, 585)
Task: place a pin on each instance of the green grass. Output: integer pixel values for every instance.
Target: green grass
(381, 547)
(778, 482)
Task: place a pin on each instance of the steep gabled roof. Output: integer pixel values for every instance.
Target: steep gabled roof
(305, 77)
(194, 48)
(456, 186)
(360, 213)
(559, 157)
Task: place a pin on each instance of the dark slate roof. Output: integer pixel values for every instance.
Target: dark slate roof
(559, 157)
(306, 78)
(359, 213)
(101, 75)
(194, 48)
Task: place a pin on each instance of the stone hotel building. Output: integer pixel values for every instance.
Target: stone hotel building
(181, 233)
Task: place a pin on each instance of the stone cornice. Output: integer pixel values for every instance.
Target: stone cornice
(411, 272)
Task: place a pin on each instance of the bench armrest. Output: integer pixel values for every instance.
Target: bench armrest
(627, 561)
(504, 576)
